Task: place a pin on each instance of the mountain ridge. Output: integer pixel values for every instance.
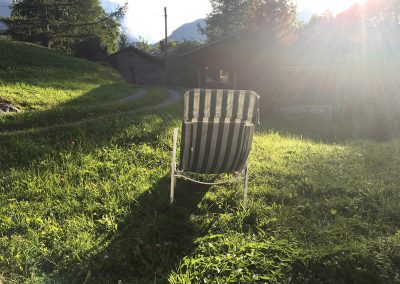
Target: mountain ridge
(189, 31)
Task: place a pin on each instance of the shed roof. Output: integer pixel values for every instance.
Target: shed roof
(209, 44)
(140, 52)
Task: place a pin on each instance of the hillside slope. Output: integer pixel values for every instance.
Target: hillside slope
(50, 87)
(88, 202)
(37, 78)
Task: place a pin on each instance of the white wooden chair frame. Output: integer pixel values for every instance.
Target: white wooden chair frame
(179, 174)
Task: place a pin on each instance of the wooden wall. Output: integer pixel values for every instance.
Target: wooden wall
(138, 69)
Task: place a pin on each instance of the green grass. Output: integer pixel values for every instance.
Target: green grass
(36, 78)
(88, 202)
(52, 88)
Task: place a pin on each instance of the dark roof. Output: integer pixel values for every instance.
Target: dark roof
(241, 37)
(140, 52)
(161, 54)
(209, 44)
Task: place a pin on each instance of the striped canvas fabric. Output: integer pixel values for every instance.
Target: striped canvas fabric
(217, 130)
(209, 103)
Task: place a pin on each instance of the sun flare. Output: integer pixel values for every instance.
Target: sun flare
(320, 6)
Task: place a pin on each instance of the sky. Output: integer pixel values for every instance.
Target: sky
(320, 6)
(145, 18)
(4, 11)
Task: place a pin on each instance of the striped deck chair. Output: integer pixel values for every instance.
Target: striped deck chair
(217, 133)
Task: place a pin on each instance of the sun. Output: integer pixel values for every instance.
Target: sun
(320, 6)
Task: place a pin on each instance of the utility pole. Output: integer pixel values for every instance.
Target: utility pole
(166, 32)
(166, 46)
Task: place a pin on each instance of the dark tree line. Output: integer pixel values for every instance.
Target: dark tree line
(74, 26)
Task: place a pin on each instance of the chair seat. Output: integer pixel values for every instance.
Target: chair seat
(215, 145)
(217, 133)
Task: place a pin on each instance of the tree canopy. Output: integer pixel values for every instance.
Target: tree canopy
(226, 17)
(145, 45)
(123, 41)
(279, 16)
(230, 16)
(371, 28)
(62, 23)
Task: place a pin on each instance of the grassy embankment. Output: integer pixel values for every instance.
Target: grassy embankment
(53, 88)
(89, 202)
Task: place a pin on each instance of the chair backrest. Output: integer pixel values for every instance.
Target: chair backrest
(217, 130)
(212, 103)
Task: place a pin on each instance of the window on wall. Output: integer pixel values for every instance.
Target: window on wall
(208, 76)
(223, 77)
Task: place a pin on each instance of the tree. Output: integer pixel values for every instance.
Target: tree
(62, 23)
(227, 17)
(321, 27)
(372, 27)
(123, 41)
(145, 45)
(172, 44)
(279, 16)
(91, 49)
(374, 13)
(230, 16)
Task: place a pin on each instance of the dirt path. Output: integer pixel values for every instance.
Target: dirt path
(138, 94)
(173, 97)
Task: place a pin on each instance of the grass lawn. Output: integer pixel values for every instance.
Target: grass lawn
(54, 88)
(88, 203)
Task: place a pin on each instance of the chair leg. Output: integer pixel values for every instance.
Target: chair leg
(172, 192)
(246, 180)
(173, 165)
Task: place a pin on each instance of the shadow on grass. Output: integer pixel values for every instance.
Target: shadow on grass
(154, 234)
(150, 242)
(89, 105)
(20, 149)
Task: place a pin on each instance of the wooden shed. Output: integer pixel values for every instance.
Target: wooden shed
(282, 74)
(244, 60)
(138, 67)
(236, 61)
